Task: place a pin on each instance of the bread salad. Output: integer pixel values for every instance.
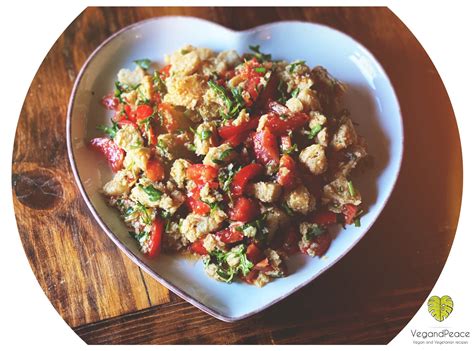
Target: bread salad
(240, 159)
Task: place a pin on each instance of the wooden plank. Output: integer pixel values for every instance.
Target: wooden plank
(366, 298)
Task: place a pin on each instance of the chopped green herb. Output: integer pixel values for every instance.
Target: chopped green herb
(357, 222)
(314, 131)
(281, 89)
(226, 272)
(352, 190)
(294, 64)
(110, 131)
(191, 147)
(184, 51)
(153, 194)
(118, 90)
(259, 55)
(295, 92)
(220, 91)
(143, 63)
(260, 69)
(222, 156)
(159, 83)
(226, 175)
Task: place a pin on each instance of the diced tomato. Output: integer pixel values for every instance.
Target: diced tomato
(143, 112)
(114, 154)
(230, 236)
(251, 276)
(269, 92)
(155, 170)
(244, 210)
(290, 241)
(129, 113)
(201, 174)
(229, 131)
(238, 139)
(287, 173)
(279, 126)
(110, 102)
(254, 254)
(252, 88)
(323, 242)
(324, 218)
(198, 247)
(263, 266)
(156, 235)
(197, 206)
(350, 212)
(266, 147)
(165, 71)
(243, 176)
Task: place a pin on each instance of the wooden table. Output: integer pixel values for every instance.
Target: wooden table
(367, 297)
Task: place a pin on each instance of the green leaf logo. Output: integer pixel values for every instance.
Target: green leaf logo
(440, 308)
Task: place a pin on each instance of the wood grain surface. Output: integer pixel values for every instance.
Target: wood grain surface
(368, 297)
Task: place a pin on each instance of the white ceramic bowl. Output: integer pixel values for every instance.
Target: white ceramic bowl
(370, 98)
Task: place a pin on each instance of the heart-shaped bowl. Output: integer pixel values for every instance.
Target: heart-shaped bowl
(370, 99)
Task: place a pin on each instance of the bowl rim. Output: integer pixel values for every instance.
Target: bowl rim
(169, 285)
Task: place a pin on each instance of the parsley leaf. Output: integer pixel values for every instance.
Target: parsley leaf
(110, 131)
(153, 194)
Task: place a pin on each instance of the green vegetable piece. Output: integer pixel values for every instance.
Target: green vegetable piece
(153, 194)
(294, 64)
(314, 131)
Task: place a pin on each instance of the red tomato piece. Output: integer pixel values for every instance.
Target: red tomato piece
(324, 218)
(165, 71)
(280, 126)
(244, 210)
(229, 131)
(350, 212)
(230, 235)
(143, 112)
(198, 247)
(156, 235)
(290, 241)
(269, 92)
(155, 170)
(263, 266)
(110, 102)
(243, 176)
(287, 173)
(251, 276)
(266, 147)
(114, 154)
(254, 254)
(197, 206)
(323, 242)
(201, 174)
